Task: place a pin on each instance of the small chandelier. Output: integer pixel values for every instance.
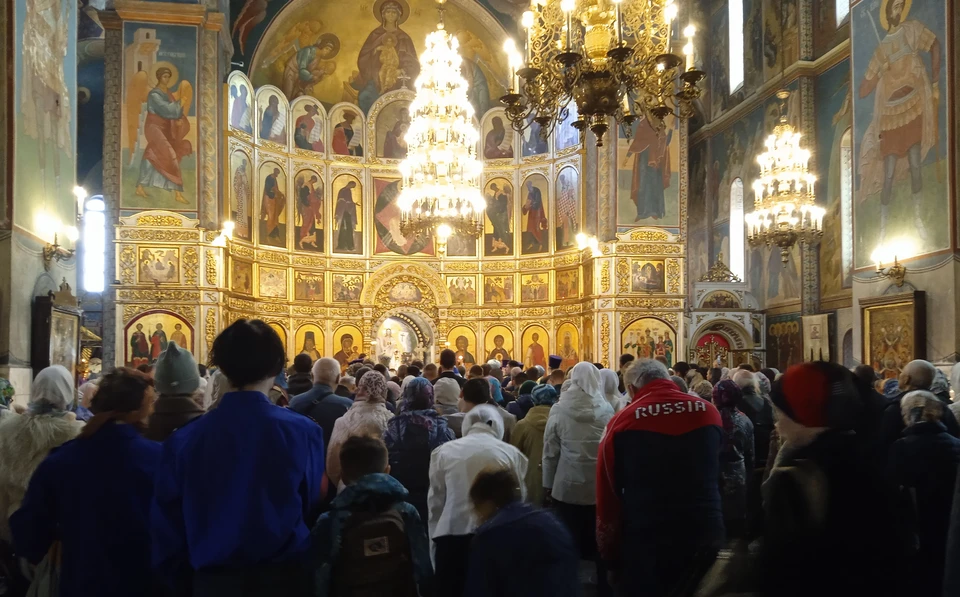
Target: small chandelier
(441, 191)
(611, 57)
(784, 209)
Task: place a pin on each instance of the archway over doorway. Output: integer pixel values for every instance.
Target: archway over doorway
(404, 335)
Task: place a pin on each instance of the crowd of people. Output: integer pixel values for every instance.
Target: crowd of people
(251, 479)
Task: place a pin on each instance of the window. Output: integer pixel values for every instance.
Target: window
(735, 13)
(846, 207)
(843, 9)
(94, 246)
(736, 229)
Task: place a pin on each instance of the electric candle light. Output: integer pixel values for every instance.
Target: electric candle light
(689, 32)
(527, 22)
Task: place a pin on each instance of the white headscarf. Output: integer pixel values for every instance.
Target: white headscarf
(586, 376)
(484, 418)
(611, 388)
(52, 390)
(218, 386)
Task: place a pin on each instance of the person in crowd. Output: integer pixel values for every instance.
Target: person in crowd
(413, 371)
(446, 394)
(401, 372)
(556, 379)
(955, 390)
(704, 390)
(243, 528)
(659, 521)
(890, 388)
(736, 457)
(924, 464)
(278, 394)
(394, 393)
(411, 436)
(302, 379)
(518, 550)
(524, 402)
(91, 496)
(347, 387)
(758, 410)
(680, 383)
(382, 370)
(610, 383)
(472, 396)
(570, 443)
(625, 361)
(716, 374)
(823, 501)
(941, 387)
(176, 380)
(453, 468)
(681, 368)
(321, 404)
(367, 416)
(217, 388)
(916, 375)
(86, 393)
(693, 377)
(448, 368)
(25, 440)
(865, 373)
(430, 372)
(372, 541)
(146, 369)
(496, 390)
(528, 438)
(475, 372)
(771, 374)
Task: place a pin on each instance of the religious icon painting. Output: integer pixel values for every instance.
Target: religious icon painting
(404, 293)
(308, 228)
(272, 115)
(534, 226)
(348, 344)
(894, 331)
(567, 134)
(308, 340)
(648, 177)
(386, 217)
(785, 341)
(497, 289)
(463, 289)
(148, 335)
(647, 276)
(498, 221)
(281, 331)
(308, 287)
(347, 288)
(587, 280)
(346, 131)
(568, 284)
(240, 102)
(532, 141)
(720, 299)
(534, 342)
(157, 265)
(241, 276)
(459, 245)
(463, 341)
(568, 345)
(158, 117)
(273, 203)
(392, 123)
(309, 124)
(498, 343)
(568, 208)
(241, 194)
(648, 338)
(273, 282)
(535, 287)
(498, 136)
(347, 211)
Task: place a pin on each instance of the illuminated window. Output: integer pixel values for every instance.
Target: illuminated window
(736, 229)
(846, 207)
(735, 10)
(94, 245)
(843, 9)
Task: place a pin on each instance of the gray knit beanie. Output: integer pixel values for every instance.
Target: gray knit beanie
(176, 372)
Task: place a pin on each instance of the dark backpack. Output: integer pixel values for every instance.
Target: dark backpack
(375, 558)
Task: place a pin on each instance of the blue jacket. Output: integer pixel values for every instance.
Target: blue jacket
(521, 406)
(323, 406)
(523, 552)
(237, 487)
(411, 437)
(380, 491)
(108, 477)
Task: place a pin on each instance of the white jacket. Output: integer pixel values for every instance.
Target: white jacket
(570, 444)
(363, 418)
(455, 465)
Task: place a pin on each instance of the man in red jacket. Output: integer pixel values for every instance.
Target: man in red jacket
(659, 521)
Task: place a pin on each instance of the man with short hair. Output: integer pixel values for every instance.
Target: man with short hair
(382, 370)
(475, 372)
(625, 360)
(915, 375)
(302, 379)
(556, 379)
(347, 387)
(448, 367)
(321, 403)
(659, 520)
(430, 372)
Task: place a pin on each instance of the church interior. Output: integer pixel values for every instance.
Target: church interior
(766, 181)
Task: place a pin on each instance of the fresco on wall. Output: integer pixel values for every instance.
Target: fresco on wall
(498, 289)
(498, 223)
(159, 117)
(534, 341)
(391, 128)
(347, 132)
(386, 215)
(308, 227)
(827, 34)
(719, 63)
(347, 288)
(902, 163)
(347, 208)
(834, 118)
(463, 341)
(568, 345)
(498, 343)
(148, 336)
(271, 115)
(309, 126)
(241, 194)
(780, 48)
(568, 208)
(752, 45)
(648, 176)
(309, 341)
(784, 341)
(273, 202)
(648, 338)
(348, 344)
(534, 200)
(356, 52)
(498, 137)
(773, 282)
(240, 103)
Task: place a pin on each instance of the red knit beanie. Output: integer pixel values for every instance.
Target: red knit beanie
(818, 394)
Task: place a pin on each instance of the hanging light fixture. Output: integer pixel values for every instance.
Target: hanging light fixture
(784, 208)
(441, 192)
(611, 57)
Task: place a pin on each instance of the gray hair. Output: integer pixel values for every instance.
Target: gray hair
(643, 371)
(919, 406)
(326, 371)
(348, 381)
(744, 378)
(680, 383)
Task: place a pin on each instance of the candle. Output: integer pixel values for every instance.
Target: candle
(619, 23)
(688, 49)
(527, 22)
(567, 7)
(626, 103)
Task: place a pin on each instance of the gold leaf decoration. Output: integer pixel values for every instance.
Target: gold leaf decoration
(347, 264)
(160, 235)
(649, 235)
(719, 272)
(272, 257)
(673, 276)
(191, 265)
(240, 250)
(159, 221)
(128, 265)
(623, 275)
(308, 261)
(605, 277)
(605, 340)
(211, 328)
(211, 267)
(664, 249)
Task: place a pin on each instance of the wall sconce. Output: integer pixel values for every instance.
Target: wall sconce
(896, 272)
(55, 252)
(225, 233)
(883, 254)
(585, 241)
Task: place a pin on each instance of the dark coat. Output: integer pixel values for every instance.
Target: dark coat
(925, 461)
(410, 438)
(760, 412)
(299, 383)
(450, 375)
(343, 391)
(891, 425)
(323, 406)
(521, 406)
(169, 414)
(523, 552)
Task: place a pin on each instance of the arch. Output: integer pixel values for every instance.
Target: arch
(846, 208)
(737, 248)
(732, 330)
(384, 107)
(422, 277)
(423, 325)
(153, 338)
(262, 103)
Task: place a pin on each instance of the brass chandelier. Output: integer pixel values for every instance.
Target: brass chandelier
(611, 57)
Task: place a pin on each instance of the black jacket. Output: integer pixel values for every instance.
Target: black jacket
(891, 425)
(299, 383)
(760, 412)
(450, 375)
(323, 406)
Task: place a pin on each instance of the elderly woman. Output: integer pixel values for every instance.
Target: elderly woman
(411, 437)
(736, 456)
(528, 438)
(25, 440)
(611, 389)
(367, 416)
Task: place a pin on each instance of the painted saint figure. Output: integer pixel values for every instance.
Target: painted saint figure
(347, 352)
(165, 128)
(308, 129)
(906, 105)
(240, 109)
(464, 357)
(179, 337)
(498, 143)
(310, 346)
(272, 122)
(241, 191)
(394, 145)
(499, 353)
(310, 209)
(345, 140)
(310, 65)
(535, 353)
(139, 347)
(651, 171)
(536, 220)
(567, 207)
(158, 343)
(272, 206)
(568, 352)
(499, 208)
(345, 218)
(387, 52)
